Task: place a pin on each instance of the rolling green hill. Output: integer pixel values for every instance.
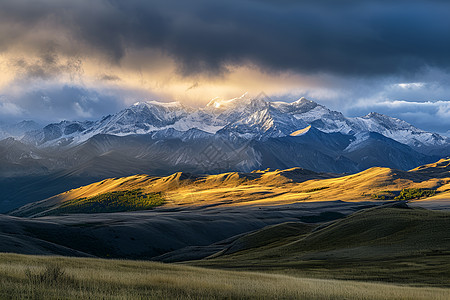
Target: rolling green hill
(397, 244)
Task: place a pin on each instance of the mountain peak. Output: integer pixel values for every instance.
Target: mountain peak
(244, 116)
(303, 100)
(374, 114)
(142, 104)
(219, 103)
(387, 121)
(382, 117)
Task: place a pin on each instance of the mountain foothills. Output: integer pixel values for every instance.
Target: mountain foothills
(366, 226)
(260, 188)
(241, 134)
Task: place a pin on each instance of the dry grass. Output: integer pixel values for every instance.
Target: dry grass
(262, 187)
(115, 279)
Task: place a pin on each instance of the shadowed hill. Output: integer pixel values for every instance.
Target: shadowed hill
(390, 243)
(150, 233)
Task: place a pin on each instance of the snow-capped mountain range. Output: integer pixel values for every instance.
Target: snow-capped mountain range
(241, 134)
(18, 130)
(242, 117)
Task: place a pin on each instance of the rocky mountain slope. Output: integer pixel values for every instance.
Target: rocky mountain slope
(240, 134)
(245, 117)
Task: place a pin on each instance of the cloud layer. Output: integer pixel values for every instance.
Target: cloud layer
(352, 37)
(353, 55)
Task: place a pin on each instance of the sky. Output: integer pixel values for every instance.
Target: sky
(85, 59)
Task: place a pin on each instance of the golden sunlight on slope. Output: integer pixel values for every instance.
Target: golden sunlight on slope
(301, 131)
(443, 164)
(270, 187)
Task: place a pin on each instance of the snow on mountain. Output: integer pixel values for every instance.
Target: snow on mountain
(142, 117)
(398, 130)
(329, 121)
(18, 130)
(359, 139)
(318, 115)
(243, 117)
(201, 120)
(233, 104)
(226, 112)
(57, 134)
(147, 117)
(263, 123)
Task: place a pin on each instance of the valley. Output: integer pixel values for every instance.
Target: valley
(368, 229)
(359, 208)
(195, 216)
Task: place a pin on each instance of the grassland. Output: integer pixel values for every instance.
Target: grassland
(387, 252)
(405, 194)
(267, 187)
(379, 253)
(402, 245)
(116, 279)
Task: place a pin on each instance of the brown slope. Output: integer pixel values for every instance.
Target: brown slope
(268, 187)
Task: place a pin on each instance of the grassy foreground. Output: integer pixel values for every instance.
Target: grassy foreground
(26, 277)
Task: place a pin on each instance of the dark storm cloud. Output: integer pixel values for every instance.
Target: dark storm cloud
(354, 56)
(340, 37)
(46, 65)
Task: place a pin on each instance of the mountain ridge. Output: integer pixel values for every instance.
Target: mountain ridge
(249, 118)
(237, 135)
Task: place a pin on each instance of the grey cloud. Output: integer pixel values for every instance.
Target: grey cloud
(46, 66)
(424, 104)
(366, 47)
(55, 103)
(369, 38)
